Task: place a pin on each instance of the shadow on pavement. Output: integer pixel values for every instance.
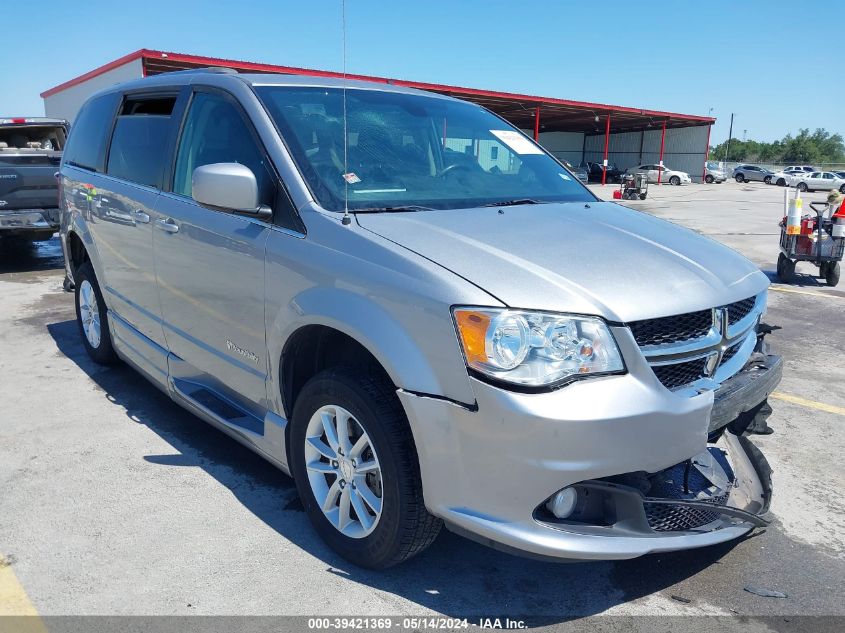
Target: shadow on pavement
(21, 256)
(455, 576)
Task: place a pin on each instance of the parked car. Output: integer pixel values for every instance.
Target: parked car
(595, 170)
(30, 151)
(579, 172)
(355, 321)
(747, 173)
(714, 174)
(670, 176)
(799, 169)
(825, 180)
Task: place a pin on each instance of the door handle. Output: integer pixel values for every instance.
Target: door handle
(141, 217)
(168, 225)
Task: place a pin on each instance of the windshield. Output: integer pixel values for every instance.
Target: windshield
(411, 150)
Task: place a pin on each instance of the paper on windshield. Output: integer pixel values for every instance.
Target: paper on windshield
(516, 141)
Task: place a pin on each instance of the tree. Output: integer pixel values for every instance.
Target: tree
(819, 147)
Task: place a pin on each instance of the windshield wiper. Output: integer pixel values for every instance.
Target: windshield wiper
(512, 203)
(397, 209)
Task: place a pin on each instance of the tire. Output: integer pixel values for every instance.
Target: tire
(781, 182)
(823, 269)
(643, 196)
(739, 178)
(92, 316)
(708, 179)
(786, 268)
(674, 180)
(767, 180)
(842, 189)
(802, 186)
(832, 274)
(401, 527)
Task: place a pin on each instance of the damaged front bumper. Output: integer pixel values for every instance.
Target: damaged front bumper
(653, 471)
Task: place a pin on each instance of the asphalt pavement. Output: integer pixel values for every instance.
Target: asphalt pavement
(115, 501)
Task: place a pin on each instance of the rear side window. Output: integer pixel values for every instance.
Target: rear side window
(139, 144)
(89, 134)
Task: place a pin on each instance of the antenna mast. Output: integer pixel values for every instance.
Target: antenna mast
(346, 219)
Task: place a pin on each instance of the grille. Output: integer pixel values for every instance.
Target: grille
(741, 309)
(673, 329)
(668, 518)
(730, 353)
(679, 374)
(670, 485)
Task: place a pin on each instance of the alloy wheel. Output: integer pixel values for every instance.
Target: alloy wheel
(343, 471)
(89, 313)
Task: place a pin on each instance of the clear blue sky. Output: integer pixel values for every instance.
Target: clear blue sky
(679, 56)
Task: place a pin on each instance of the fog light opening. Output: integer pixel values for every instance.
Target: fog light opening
(562, 503)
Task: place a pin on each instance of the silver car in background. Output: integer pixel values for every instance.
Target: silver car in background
(713, 173)
(748, 173)
(412, 308)
(668, 176)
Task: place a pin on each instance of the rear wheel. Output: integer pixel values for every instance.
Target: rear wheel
(767, 180)
(832, 274)
(781, 182)
(842, 189)
(674, 180)
(92, 317)
(356, 469)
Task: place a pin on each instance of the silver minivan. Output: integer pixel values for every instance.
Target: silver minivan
(414, 310)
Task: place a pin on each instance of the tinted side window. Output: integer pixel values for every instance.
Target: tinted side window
(138, 149)
(86, 146)
(215, 132)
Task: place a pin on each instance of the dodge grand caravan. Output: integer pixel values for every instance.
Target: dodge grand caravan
(414, 310)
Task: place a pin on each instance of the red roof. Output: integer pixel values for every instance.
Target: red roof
(564, 110)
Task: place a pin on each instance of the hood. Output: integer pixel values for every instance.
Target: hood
(600, 258)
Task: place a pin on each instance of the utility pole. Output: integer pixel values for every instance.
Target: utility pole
(730, 134)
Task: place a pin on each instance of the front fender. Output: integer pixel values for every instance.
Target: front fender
(436, 369)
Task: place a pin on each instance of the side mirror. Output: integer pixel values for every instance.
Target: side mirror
(228, 186)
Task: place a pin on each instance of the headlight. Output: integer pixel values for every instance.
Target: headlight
(535, 349)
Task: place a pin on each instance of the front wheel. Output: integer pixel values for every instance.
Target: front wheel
(356, 468)
(708, 179)
(781, 182)
(842, 189)
(785, 268)
(767, 180)
(740, 178)
(92, 316)
(675, 181)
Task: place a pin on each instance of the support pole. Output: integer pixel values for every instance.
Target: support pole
(537, 124)
(606, 147)
(662, 144)
(730, 135)
(706, 153)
